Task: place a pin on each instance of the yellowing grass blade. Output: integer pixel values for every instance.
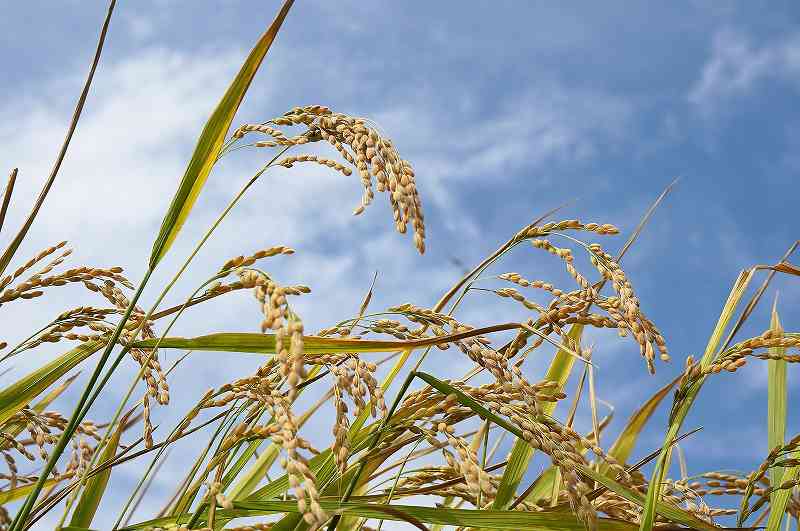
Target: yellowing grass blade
(678, 416)
(541, 521)
(12, 429)
(776, 418)
(96, 485)
(623, 447)
(9, 495)
(776, 399)
(16, 395)
(265, 343)
(211, 140)
(521, 454)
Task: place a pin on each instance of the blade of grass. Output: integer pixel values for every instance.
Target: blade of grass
(777, 507)
(9, 495)
(16, 395)
(490, 519)
(777, 397)
(623, 446)
(682, 408)
(211, 140)
(777, 402)
(5, 259)
(265, 343)
(96, 486)
(12, 179)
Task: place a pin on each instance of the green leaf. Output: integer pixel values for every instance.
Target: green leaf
(211, 140)
(776, 399)
(248, 483)
(777, 402)
(17, 395)
(265, 344)
(13, 429)
(623, 447)
(488, 519)
(521, 454)
(10, 495)
(780, 499)
(543, 486)
(682, 409)
(96, 485)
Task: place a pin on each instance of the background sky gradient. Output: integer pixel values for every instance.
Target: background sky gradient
(506, 110)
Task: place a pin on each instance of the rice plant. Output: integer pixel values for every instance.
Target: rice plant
(406, 446)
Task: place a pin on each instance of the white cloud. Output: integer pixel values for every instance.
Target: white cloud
(548, 123)
(737, 65)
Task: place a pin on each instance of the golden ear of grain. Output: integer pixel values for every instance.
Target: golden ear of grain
(559, 371)
(666, 510)
(210, 142)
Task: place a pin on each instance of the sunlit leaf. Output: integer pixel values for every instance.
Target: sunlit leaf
(521, 454)
(96, 485)
(211, 140)
(17, 395)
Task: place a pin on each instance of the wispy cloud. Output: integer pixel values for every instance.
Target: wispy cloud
(737, 65)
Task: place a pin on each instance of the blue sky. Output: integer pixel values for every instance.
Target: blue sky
(506, 109)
